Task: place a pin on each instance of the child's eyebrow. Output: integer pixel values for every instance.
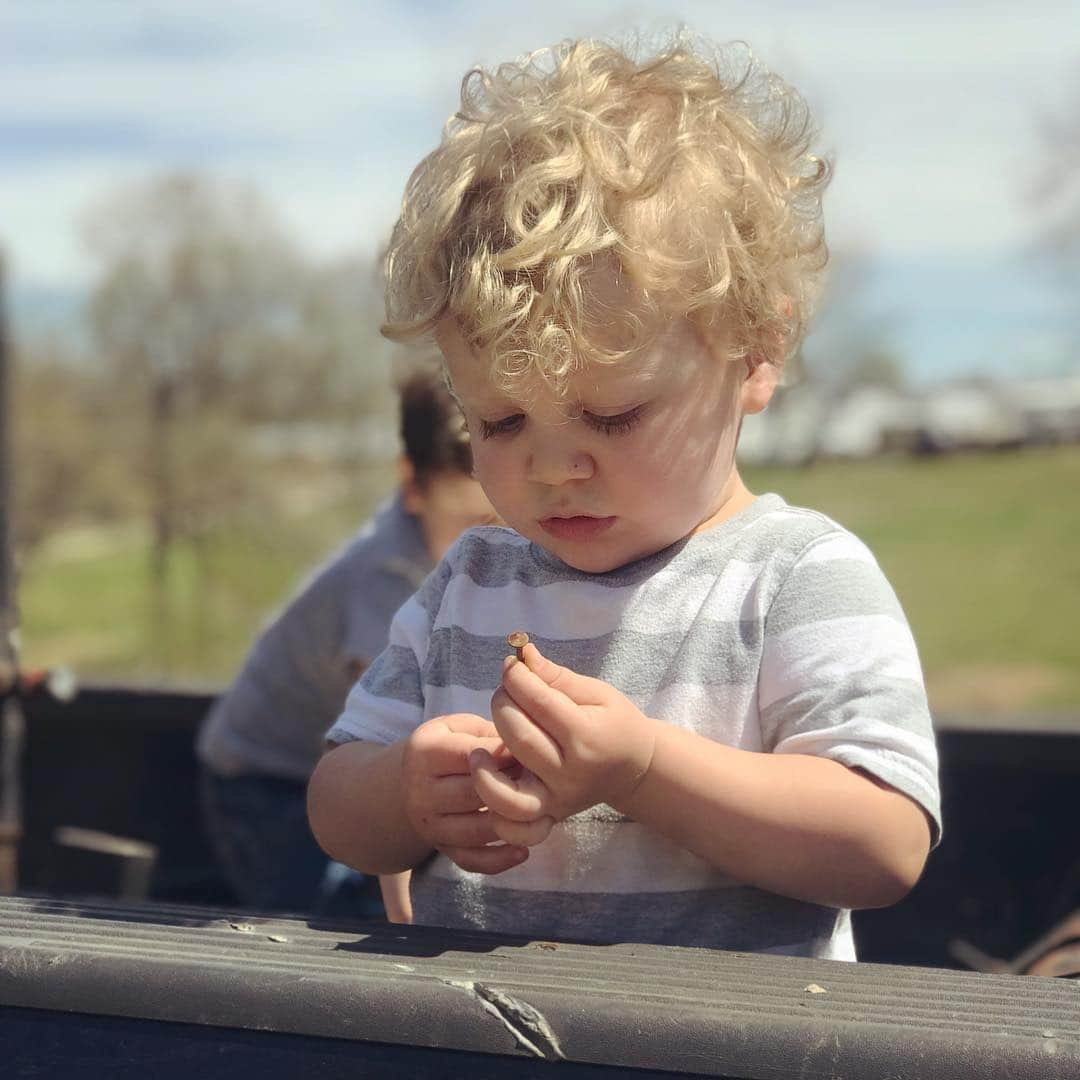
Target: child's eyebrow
(623, 394)
(481, 403)
(498, 405)
(613, 404)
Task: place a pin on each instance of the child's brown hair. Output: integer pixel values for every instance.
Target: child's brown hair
(433, 430)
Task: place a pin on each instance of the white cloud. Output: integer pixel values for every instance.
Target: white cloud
(39, 218)
(326, 107)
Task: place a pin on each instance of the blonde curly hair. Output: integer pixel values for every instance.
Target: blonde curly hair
(688, 173)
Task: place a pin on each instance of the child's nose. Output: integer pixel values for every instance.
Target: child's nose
(556, 462)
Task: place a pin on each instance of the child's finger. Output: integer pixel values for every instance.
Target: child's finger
(493, 859)
(467, 724)
(454, 794)
(446, 753)
(523, 833)
(528, 741)
(547, 708)
(520, 799)
(461, 830)
(581, 689)
(500, 752)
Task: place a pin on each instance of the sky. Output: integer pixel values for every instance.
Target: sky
(934, 114)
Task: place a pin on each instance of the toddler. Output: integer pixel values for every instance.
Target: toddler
(718, 734)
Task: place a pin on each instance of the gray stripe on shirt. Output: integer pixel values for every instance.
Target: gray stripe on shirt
(740, 917)
(397, 674)
(639, 665)
(835, 589)
(898, 702)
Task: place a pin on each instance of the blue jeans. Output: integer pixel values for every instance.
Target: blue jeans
(257, 826)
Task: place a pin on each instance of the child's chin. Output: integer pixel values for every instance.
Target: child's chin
(596, 561)
(596, 556)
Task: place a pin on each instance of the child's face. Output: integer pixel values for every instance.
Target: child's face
(446, 505)
(638, 455)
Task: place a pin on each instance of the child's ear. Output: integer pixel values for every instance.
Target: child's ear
(759, 384)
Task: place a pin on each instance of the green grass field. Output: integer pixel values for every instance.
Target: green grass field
(983, 551)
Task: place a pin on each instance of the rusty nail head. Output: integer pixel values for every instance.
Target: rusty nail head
(517, 641)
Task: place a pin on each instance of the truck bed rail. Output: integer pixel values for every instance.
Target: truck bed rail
(113, 990)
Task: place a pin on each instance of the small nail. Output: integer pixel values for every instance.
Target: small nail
(517, 641)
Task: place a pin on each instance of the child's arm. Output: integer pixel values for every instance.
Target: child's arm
(795, 824)
(383, 809)
(356, 809)
(798, 825)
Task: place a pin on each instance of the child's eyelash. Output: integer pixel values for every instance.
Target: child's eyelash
(506, 426)
(615, 425)
(608, 425)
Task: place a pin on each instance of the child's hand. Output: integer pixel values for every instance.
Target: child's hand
(441, 801)
(579, 740)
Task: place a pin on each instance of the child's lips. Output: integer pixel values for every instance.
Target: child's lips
(578, 527)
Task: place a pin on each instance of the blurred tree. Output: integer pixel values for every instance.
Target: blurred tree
(1055, 198)
(852, 342)
(210, 324)
(875, 365)
(331, 365)
(195, 274)
(64, 462)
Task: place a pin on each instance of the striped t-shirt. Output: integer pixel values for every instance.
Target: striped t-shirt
(774, 631)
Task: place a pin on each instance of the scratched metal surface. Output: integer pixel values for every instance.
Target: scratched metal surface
(678, 1010)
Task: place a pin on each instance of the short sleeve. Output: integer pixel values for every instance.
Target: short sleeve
(840, 674)
(387, 704)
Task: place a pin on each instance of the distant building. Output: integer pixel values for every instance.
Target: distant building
(872, 420)
(788, 431)
(806, 421)
(971, 415)
(1050, 408)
